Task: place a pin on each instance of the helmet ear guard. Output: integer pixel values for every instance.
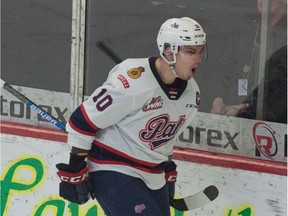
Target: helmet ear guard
(173, 51)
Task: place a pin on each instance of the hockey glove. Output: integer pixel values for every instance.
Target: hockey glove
(171, 175)
(74, 185)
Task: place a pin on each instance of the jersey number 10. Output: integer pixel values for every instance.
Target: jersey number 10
(102, 101)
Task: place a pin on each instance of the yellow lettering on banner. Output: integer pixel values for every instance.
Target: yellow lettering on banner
(26, 174)
(50, 207)
(243, 210)
(92, 209)
(16, 179)
(57, 206)
(175, 212)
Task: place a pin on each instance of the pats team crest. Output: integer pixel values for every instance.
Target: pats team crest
(135, 73)
(160, 130)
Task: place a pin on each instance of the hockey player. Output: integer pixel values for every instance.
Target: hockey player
(125, 129)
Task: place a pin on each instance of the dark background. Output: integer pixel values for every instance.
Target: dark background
(36, 40)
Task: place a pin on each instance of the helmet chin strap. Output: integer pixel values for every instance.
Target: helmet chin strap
(171, 63)
(172, 68)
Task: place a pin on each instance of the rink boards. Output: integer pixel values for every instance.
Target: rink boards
(208, 132)
(30, 184)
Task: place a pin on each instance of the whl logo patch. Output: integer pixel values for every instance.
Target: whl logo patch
(155, 103)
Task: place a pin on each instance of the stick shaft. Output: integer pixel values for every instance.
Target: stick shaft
(109, 52)
(32, 105)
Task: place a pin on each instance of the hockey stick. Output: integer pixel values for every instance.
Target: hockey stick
(184, 204)
(32, 105)
(109, 52)
(196, 200)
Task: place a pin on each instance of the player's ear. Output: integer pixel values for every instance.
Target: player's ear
(167, 51)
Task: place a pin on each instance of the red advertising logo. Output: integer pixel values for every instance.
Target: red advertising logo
(264, 138)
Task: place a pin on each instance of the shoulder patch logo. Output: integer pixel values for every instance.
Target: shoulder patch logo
(123, 80)
(155, 103)
(135, 73)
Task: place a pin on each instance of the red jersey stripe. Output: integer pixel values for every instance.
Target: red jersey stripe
(112, 150)
(109, 162)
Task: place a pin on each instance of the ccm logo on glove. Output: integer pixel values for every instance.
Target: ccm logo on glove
(73, 178)
(171, 176)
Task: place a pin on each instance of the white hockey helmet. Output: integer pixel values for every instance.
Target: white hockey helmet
(177, 32)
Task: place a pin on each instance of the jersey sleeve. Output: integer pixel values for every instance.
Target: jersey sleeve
(108, 104)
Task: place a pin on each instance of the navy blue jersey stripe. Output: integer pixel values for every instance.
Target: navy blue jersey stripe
(78, 119)
(102, 154)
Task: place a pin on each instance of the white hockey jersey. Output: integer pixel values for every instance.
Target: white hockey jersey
(129, 122)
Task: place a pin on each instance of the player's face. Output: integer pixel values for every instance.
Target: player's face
(188, 59)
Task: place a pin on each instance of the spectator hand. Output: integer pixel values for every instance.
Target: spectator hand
(220, 108)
